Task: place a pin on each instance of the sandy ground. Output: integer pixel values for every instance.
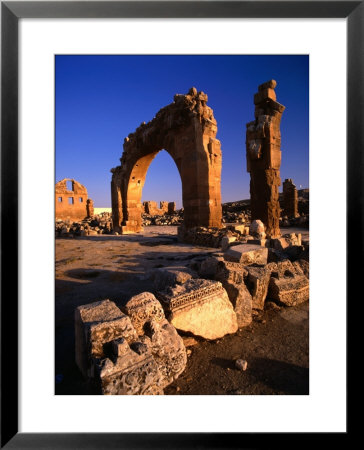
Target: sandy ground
(94, 268)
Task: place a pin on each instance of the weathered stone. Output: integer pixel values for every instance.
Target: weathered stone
(241, 364)
(170, 277)
(226, 241)
(257, 229)
(302, 267)
(186, 129)
(290, 198)
(290, 291)
(231, 275)
(201, 307)
(263, 140)
(247, 254)
(209, 266)
(167, 349)
(95, 325)
(240, 228)
(72, 203)
(129, 374)
(257, 282)
(142, 308)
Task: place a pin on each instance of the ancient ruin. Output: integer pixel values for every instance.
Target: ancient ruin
(72, 201)
(186, 129)
(138, 353)
(152, 209)
(290, 198)
(263, 154)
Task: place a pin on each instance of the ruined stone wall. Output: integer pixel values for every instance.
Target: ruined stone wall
(186, 129)
(290, 198)
(152, 209)
(71, 204)
(263, 153)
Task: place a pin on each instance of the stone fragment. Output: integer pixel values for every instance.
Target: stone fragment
(241, 364)
(290, 291)
(130, 373)
(167, 349)
(304, 266)
(226, 241)
(209, 266)
(247, 254)
(142, 308)
(170, 277)
(257, 282)
(95, 325)
(231, 275)
(240, 228)
(189, 341)
(257, 229)
(201, 307)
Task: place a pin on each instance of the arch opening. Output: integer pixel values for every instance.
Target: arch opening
(186, 129)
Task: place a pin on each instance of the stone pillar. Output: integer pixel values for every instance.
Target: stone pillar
(90, 207)
(263, 154)
(290, 198)
(171, 207)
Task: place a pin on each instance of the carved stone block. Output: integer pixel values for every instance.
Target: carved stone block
(143, 308)
(201, 307)
(95, 325)
(258, 282)
(290, 291)
(247, 254)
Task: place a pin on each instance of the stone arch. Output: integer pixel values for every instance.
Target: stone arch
(186, 129)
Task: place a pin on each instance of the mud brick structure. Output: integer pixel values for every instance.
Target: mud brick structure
(186, 129)
(263, 154)
(71, 200)
(290, 198)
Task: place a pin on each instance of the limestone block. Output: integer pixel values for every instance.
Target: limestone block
(167, 348)
(130, 373)
(95, 325)
(142, 308)
(257, 229)
(240, 228)
(247, 254)
(209, 266)
(258, 282)
(302, 267)
(290, 291)
(201, 307)
(226, 241)
(231, 275)
(170, 277)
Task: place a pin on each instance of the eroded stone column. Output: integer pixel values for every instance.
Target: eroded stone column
(290, 198)
(263, 154)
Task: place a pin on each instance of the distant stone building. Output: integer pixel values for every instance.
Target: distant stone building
(290, 198)
(72, 200)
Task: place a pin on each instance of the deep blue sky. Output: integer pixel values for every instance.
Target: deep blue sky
(101, 99)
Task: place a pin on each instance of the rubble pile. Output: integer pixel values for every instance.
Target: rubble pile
(92, 226)
(176, 218)
(136, 353)
(137, 349)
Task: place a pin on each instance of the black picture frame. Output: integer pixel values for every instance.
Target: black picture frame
(11, 12)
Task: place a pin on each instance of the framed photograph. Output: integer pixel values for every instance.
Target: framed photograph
(44, 45)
